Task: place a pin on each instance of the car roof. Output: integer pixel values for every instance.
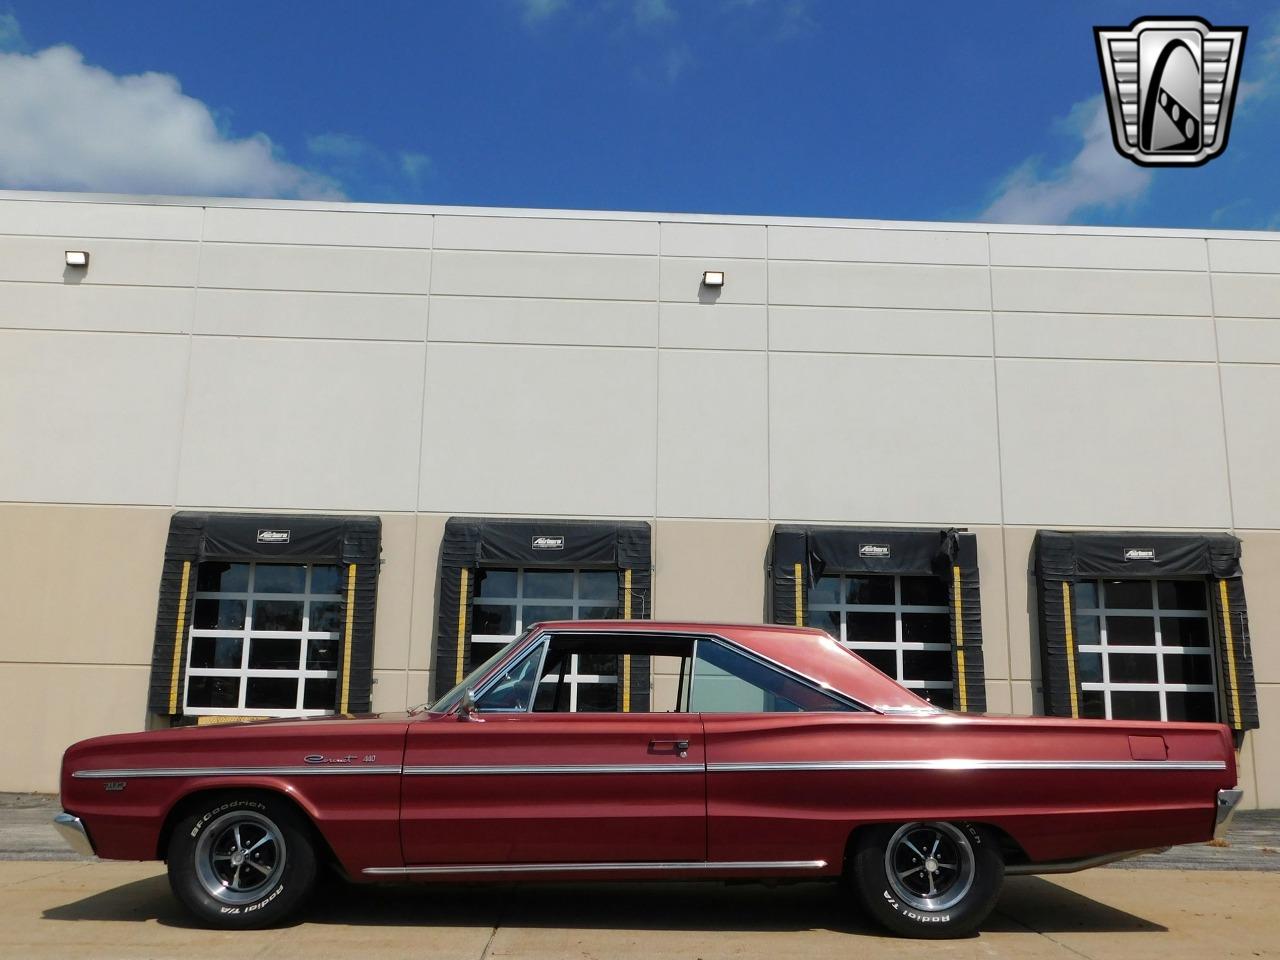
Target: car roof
(808, 651)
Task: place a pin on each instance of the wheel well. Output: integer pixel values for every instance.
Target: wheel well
(1010, 850)
(324, 852)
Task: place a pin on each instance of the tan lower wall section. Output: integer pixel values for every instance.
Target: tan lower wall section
(710, 570)
(75, 647)
(85, 581)
(44, 708)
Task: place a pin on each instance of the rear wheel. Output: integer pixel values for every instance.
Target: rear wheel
(239, 862)
(930, 879)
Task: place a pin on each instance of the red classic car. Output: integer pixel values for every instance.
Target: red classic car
(777, 754)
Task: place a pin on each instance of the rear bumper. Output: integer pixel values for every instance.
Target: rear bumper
(1228, 800)
(73, 831)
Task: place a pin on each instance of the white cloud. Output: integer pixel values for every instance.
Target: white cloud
(71, 126)
(653, 11)
(414, 166)
(1097, 177)
(10, 33)
(1262, 66)
(536, 10)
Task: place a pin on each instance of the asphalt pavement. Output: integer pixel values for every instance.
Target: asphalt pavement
(1193, 902)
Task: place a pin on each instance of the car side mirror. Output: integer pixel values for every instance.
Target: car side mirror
(467, 706)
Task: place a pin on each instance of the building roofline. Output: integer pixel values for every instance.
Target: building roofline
(629, 215)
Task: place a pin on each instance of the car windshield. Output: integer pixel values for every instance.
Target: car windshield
(453, 696)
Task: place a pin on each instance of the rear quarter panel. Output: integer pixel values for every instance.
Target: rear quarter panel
(1029, 777)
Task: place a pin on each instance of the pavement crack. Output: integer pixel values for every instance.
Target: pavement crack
(1042, 933)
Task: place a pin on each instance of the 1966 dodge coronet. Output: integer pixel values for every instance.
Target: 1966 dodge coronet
(779, 755)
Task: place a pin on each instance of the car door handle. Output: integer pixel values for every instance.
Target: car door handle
(679, 746)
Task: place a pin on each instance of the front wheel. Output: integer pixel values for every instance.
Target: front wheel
(928, 879)
(241, 862)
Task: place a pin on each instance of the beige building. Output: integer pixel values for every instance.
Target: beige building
(448, 423)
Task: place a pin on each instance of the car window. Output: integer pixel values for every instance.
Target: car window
(613, 672)
(725, 681)
(512, 690)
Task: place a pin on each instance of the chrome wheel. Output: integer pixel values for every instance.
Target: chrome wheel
(929, 866)
(239, 857)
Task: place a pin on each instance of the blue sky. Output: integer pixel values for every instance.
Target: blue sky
(919, 111)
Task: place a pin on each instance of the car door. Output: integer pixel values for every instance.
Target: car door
(519, 787)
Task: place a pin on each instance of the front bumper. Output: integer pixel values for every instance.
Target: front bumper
(74, 833)
(1228, 800)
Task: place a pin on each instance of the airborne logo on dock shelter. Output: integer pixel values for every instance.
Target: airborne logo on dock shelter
(1171, 86)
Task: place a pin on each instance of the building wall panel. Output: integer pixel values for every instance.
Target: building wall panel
(1107, 444)
(1093, 337)
(1108, 292)
(713, 326)
(713, 454)
(105, 309)
(320, 269)
(745, 281)
(1251, 395)
(889, 439)
(1249, 341)
(873, 245)
(546, 235)
(312, 425)
(292, 314)
(553, 275)
(1244, 256)
(731, 240)
(117, 221)
(611, 323)
(144, 263)
(508, 431)
(1246, 295)
(310, 227)
(90, 417)
(1098, 252)
(806, 283)
(858, 330)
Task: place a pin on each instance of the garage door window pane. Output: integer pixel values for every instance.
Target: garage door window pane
(900, 625)
(1144, 649)
(1127, 594)
(509, 601)
(216, 652)
(213, 577)
(264, 639)
(213, 692)
(272, 693)
(213, 613)
(279, 578)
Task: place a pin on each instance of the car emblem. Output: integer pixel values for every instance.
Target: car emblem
(1170, 83)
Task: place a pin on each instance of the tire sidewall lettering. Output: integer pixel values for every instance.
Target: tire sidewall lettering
(204, 820)
(915, 915)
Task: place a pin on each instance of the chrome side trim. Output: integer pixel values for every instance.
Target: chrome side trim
(1073, 866)
(477, 770)
(311, 770)
(1228, 800)
(73, 831)
(963, 764)
(490, 868)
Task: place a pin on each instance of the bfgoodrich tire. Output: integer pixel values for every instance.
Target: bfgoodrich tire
(241, 862)
(929, 879)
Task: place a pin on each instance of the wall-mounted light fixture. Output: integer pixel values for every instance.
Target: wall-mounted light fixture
(713, 278)
(77, 258)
